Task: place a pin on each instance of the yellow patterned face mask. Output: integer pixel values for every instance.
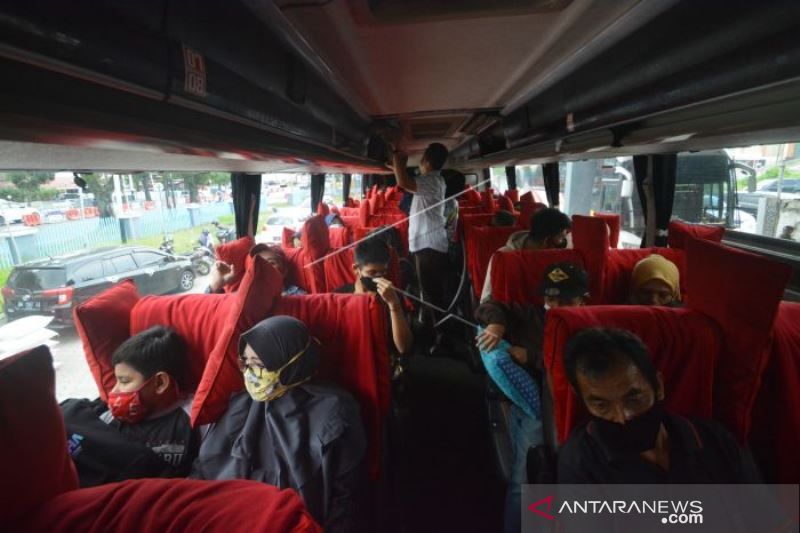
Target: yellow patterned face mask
(264, 385)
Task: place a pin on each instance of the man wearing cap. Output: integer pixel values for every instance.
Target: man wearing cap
(522, 325)
(510, 341)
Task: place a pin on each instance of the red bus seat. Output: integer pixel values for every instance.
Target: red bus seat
(235, 253)
(34, 456)
(612, 220)
(339, 268)
(517, 275)
(681, 232)
(480, 242)
(619, 267)
(776, 414)
(741, 292)
(33, 451)
(683, 343)
(340, 236)
(352, 330)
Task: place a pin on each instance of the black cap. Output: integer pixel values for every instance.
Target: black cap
(564, 280)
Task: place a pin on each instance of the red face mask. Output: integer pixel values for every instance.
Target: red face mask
(128, 406)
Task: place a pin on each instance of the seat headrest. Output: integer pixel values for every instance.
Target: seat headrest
(33, 451)
(683, 344)
(741, 292)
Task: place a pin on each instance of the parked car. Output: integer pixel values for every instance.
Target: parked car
(273, 228)
(790, 190)
(54, 286)
(13, 212)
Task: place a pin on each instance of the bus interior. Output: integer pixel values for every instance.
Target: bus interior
(626, 107)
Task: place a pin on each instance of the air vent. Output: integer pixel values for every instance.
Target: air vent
(430, 129)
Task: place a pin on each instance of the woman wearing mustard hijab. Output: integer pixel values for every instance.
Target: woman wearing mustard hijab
(288, 430)
(655, 281)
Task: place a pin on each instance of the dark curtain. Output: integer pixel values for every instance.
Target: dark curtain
(347, 180)
(246, 201)
(511, 178)
(486, 179)
(552, 183)
(662, 169)
(317, 190)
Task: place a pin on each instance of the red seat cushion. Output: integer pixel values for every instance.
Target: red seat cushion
(33, 450)
(175, 505)
(352, 330)
(315, 237)
(776, 414)
(235, 253)
(480, 242)
(681, 232)
(305, 271)
(683, 343)
(504, 202)
(340, 236)
(339, 268)
(741, 292)
(612, 220)
(513, 195)
(590, 237)
(211, 325)
(517, 275)
(619, 267)
(103, 323)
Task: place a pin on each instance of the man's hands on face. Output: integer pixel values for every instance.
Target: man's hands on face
(389, 295)
(221, 275)
(490, 337)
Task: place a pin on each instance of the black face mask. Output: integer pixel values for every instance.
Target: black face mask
(369, 284)
(632, 438)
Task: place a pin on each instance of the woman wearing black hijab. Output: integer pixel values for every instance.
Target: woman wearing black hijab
(288, 430)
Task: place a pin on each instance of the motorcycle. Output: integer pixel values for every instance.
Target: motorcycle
(224, 234)
(202, 258)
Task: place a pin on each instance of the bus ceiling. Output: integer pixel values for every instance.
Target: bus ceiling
(334, 85)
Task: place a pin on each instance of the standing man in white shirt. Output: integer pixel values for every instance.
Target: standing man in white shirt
(427, 233)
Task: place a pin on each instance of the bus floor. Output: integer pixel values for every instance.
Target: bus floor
(444, 466)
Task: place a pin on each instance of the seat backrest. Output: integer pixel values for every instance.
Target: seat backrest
(340, 236)
(517, 275)
(33, 450)
(683, 343)
(590, 237)
(315, 236)
(235, 253)
(504, 202)
(619, 267)
(612, 220)
(513, 194)
(339, 268)
(741, 292)
(352, 330)
(323, 209)
(681, 232)
(776, 413)
(305, 270)
(480, 243)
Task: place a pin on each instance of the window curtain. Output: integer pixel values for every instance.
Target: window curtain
(347, 180)
(511, 178)
(317, 190)
(246, 193)
(655, 181)
(552, 183)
